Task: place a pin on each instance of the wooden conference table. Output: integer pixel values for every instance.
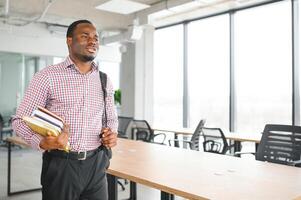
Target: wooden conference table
(196, 175)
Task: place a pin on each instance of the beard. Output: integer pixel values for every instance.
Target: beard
(84, 57)
(87, 58)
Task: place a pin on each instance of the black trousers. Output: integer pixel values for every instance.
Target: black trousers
(68, 179)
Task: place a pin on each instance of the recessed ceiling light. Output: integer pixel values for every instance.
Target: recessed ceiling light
(122, 6)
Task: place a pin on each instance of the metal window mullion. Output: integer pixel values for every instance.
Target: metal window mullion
(295, 64)
(185, 79)
(232, 106)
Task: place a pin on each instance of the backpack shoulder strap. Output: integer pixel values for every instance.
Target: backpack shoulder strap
(103, 81)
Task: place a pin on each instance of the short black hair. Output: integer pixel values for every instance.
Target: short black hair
(72, 26)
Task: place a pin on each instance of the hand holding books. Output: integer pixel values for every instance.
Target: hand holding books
(51, 126)
(57, 142)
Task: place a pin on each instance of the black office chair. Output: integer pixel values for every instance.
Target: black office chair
(280, 144)
(123, 126)
(1, 127)
(194, 142)
(215, 141)
(142, 131)
(1, 123)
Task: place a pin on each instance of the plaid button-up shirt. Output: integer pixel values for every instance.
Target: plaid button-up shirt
(76, 97)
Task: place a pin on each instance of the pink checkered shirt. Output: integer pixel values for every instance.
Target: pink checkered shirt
(76, 97)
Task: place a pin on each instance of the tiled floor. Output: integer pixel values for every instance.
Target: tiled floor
(26, 168)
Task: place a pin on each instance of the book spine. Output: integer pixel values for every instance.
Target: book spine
(48, 117)
(44, 110)
(48, 121)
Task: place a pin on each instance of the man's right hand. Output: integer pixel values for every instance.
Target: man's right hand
(60, 142)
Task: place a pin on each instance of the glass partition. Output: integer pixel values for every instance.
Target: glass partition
(16, 72)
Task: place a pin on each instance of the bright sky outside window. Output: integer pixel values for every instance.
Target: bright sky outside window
(168, 76)
(263, 66)
(208, 71)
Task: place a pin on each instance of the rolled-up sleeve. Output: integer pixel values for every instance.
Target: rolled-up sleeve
(36, 94)
(112, 118)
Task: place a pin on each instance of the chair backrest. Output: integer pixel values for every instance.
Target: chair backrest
(214, 140)
(280, 144)
(195, 138)
(1, 122)
(142, 130)
(123, 125)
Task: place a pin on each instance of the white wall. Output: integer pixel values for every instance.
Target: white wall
(136, 81)
(127, 81)
(31, 39)
(109, 53)
(144, 75)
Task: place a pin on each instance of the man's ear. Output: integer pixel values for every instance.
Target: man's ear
(69, 41)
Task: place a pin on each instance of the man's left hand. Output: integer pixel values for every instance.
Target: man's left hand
(109, 138)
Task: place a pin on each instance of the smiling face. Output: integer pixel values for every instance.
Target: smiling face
(84, 43)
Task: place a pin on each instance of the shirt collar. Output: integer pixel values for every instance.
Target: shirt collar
(69, 63)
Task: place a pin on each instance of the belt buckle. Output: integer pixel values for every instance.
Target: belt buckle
(85, 155)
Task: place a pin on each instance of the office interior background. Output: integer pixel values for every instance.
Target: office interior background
(234, 63)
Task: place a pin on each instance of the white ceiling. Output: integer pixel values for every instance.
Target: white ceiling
(196, 9)
(63, 12)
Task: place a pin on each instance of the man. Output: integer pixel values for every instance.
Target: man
(72, 90)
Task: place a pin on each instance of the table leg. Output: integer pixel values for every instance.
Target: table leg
(237, 146)
(256, 147)
(8, 168)
(176, 144)
(9, 193)
(133, 191)
(112, 187)
(166, 196)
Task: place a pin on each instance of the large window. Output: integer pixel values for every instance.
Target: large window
(168, 76)
(262, 70)
(208, 71)
(263, 66)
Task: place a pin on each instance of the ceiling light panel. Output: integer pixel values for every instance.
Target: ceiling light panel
(122, 6)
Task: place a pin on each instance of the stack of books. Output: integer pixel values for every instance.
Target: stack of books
(43, 122)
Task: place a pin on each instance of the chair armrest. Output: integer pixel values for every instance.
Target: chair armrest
(158, 134)
(297, 163)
